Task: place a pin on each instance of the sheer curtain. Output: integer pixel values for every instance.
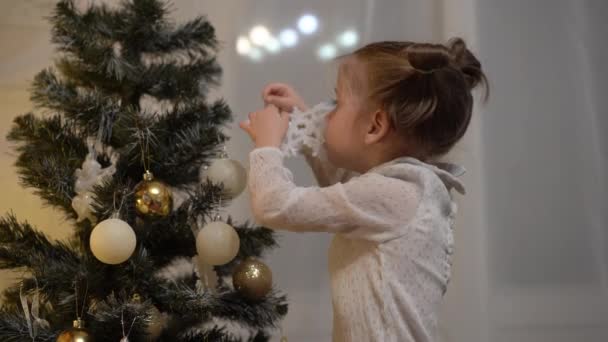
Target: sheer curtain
(540, 150)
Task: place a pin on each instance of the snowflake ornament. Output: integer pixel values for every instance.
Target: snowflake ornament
(306, 129)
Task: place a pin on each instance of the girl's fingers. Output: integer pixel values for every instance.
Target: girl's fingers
(276, 88)
(283, 103)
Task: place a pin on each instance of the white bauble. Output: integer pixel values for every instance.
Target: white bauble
(217, 243)
(228, 172)
(113, 241)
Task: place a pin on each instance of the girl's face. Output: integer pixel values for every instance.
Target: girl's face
(345, 128)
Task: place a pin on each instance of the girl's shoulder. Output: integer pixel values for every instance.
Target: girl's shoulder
(413, 170)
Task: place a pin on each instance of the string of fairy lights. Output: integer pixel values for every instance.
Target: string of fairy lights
(260, 42)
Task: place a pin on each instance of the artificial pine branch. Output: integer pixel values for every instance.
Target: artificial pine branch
(196, 35)
(23, 246)
(174, 81)
(185, 301)
(86, 108)
(189, 112)
(110, 314)
(74, 32)
(91, 77)
(13, 328)
(181, 154)
(50, 150)
(215, 334)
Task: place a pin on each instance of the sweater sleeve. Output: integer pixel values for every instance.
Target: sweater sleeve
(325, 173)
(371, 207)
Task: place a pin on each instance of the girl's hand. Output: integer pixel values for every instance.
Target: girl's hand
(266, 127)
(283, 96)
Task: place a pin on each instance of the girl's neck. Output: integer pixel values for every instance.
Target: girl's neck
(385, 155)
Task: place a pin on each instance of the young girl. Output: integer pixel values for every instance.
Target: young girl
(400, 105)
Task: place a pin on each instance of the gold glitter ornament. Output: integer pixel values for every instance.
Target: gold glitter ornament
(153, 198)
(76, 334)
(252, 279)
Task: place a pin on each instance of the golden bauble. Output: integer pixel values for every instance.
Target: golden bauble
(76, 334)
(252, 279)
(153, 198)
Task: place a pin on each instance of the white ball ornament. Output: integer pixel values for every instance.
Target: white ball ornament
(113, 241)
(217, 243)
(228, 172)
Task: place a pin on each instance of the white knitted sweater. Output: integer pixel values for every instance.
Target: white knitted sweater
(389, 260)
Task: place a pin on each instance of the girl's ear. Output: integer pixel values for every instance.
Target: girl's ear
(378, 127)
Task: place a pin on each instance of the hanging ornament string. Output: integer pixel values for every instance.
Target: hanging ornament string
(125, 194)
(100, 130)
(144, 144)
(146, 153)
(26, 310)
(153, 198)
(116, 212)
(32, 326)
(125, 337)
(84, 299)
(104, 132)
(283, 336)
(217, 216)
(223, 152)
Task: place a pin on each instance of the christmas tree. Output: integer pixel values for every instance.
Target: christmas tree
(150, 258)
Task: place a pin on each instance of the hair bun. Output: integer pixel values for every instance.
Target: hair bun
(466, 62)
(427, 58)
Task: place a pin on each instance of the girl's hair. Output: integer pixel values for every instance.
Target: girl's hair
(425, 89)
